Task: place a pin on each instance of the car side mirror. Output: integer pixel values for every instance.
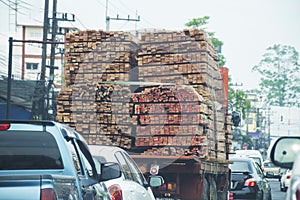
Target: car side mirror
(156, 181)
(285, 150)
(110, 171)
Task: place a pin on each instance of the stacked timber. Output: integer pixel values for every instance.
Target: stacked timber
(188, 58)
(170, 119)
(97, 110)
(161, 95)
(99, 55)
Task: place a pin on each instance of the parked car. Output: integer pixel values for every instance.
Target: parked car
(254, 154)
(248, 180)
(46, 160)
(285, 180)
(274, 171)
(285, 153)
(132, 185)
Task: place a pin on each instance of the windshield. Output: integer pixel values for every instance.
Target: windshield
(240, 166)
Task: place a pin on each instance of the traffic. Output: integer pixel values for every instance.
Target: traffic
(163, 112)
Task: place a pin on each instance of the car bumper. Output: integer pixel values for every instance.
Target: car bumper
(275, 174)
(246, 193)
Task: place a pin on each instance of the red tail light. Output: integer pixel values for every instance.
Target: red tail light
(250, 182)
(4, 127)
(48, 194)
(230, 196)
(115, 192)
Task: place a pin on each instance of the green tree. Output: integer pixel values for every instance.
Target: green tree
(238, 99)
(279, 70)
(200, 23)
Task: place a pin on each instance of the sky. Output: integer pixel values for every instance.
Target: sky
(246, 27)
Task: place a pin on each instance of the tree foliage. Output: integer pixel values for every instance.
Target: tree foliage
(200, 23)
(238, 99)
(279, 70)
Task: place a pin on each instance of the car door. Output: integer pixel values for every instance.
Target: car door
(92, 189)
(263, 181)
(135, 182)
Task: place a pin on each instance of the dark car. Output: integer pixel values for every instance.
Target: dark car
(248, 180)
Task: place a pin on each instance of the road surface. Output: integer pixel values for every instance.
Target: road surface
(276, 193)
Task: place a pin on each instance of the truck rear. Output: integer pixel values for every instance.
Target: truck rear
(162, 97)
(43, 187)
(187, 177)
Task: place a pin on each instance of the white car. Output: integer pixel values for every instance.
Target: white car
(285, 180)
(132, 184)
(285, 153)
(254, 154)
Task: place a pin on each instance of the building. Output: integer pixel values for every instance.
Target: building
(284, 121)
(26, 67)
(27, 56)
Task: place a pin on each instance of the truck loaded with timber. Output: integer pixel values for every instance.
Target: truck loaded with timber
(162, 97)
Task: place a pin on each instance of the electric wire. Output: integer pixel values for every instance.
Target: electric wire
(7, 5)
(80, 22)
(144, 19)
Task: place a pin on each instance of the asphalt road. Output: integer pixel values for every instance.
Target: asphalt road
(276, 193)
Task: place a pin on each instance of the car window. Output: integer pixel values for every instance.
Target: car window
(29, 150)
(123, 164)
(256, 159)
(258, 169)
(240, 166)
(128, 167)
(75, 157)
(136, 174)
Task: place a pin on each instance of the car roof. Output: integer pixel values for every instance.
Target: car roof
(246, 159)
(248, 152)
(105, 153)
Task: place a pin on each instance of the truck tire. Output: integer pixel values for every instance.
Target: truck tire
(223, 195)
(223, 190)
(209, 188)
(213, 193)
(205, 191)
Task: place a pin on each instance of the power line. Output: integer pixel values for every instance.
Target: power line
(24, 2)
(118, 8)
(7, 5)
(144, 19)
(79, 22)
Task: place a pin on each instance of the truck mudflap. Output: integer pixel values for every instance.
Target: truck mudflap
(31, 186)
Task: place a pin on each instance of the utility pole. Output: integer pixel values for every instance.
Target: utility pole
(107, 18)
(55, 30)
(269, 126)
(50, 93)
(117, 18)
(9, 78)
(38, 104)
(42, 94)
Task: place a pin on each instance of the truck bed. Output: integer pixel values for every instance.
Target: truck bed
(180, 163)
